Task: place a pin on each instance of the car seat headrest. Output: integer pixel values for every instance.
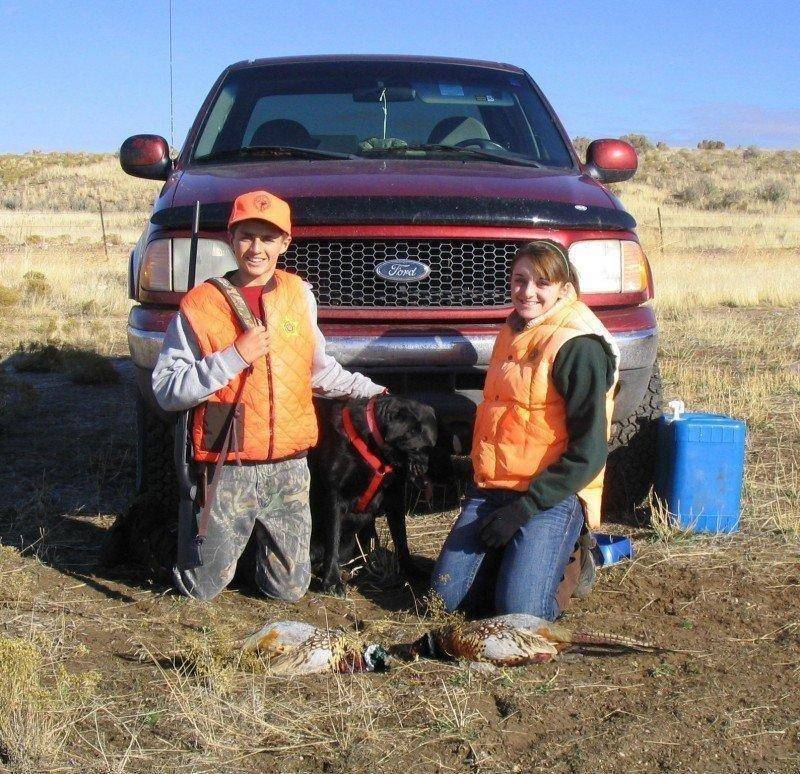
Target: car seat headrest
(282, 131)
(454, 129)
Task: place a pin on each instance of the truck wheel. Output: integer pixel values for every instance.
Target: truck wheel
(145, 533)
(155, 465)
(632, 454)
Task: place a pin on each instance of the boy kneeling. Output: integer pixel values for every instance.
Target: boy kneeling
(254, 419)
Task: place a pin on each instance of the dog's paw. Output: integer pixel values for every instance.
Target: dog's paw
(335, 589)
(334, 585)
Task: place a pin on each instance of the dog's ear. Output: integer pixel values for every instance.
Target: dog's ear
(430, 423)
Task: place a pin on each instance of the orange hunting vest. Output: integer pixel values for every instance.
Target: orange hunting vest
(520, 428)
(278, 417)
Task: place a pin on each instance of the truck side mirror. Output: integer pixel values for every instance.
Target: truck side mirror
(611, 161)
(146, 155)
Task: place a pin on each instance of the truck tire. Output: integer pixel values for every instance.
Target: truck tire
(632, 454)
(155, 464)
(145, 533)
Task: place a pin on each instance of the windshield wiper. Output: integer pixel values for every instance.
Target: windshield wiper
(475, 153)
(273, 152)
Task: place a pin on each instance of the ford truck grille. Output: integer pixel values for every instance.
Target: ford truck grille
(463, 273)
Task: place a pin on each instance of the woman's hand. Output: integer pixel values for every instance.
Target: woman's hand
(253, 344)
(500, 525)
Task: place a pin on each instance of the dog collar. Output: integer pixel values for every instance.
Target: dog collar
(379, 469)
(372, 422)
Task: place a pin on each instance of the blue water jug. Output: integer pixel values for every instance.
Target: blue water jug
(701, 468)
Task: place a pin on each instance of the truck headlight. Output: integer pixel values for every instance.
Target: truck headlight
(609, 265)
(214, 258)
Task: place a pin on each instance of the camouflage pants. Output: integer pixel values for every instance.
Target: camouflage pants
(270, 502)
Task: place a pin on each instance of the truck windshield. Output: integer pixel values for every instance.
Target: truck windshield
(368, 109)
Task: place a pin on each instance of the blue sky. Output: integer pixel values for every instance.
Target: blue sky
(85, 75)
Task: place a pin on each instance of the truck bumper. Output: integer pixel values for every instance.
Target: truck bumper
(444, 368)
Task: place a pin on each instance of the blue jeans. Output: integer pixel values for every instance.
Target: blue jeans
(521, 577)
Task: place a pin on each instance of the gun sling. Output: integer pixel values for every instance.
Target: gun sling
(208, 491)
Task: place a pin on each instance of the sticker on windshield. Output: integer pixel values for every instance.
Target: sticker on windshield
(451, 90)
(484, 98)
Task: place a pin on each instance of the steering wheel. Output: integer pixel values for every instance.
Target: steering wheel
(482, 143)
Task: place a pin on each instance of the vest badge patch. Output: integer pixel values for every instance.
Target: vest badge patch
(290, 326)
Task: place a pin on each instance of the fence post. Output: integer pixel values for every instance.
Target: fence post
(102, 225)
(660, 233)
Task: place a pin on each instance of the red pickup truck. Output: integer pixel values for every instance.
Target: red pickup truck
(412, 181)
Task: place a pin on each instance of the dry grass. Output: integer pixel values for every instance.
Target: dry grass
(41, 698)
(76, 297)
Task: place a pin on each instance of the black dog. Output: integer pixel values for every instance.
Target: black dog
(340, 476)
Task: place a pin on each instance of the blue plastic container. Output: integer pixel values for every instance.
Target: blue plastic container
(701, 468)
(611, 549)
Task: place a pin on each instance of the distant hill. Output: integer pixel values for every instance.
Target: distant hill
(736, 180)
(71, 182)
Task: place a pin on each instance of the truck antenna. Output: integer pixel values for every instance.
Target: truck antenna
(193, 247)
(171, 111)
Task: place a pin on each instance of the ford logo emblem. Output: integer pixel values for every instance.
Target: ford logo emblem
(402, 270)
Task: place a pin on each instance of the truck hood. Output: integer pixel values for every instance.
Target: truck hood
(389, 191)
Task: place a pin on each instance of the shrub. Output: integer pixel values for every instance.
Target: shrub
(641, 143)
(37, 358)
(81, 365)
(9, 296)
(34, 239)
(732, 199)
(661, 145)
(751, 152)
(87, 367)
(711, 145)
(581, 144)
(696, 193)
(39, 703)
(35, 284)
(775, 192)
(689, 194)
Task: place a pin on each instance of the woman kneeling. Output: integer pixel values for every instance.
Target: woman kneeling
(539, 449)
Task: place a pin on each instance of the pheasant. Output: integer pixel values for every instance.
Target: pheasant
(297, 648)
(510, 640)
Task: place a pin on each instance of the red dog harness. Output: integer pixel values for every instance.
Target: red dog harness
(379, 469)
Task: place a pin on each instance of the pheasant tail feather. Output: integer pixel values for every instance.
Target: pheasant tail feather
(604, 639)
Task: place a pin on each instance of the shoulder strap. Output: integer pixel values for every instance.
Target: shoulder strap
(237, 304)
(247, 321)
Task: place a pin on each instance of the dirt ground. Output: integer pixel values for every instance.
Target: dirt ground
(727, 701)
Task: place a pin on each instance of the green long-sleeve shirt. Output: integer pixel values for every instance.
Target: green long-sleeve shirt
(583, 372)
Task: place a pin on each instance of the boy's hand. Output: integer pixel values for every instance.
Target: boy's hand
(253, 344)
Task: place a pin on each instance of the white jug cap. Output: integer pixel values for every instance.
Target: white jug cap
(677, 408)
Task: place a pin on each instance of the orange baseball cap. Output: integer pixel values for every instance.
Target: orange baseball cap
(261, 205)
